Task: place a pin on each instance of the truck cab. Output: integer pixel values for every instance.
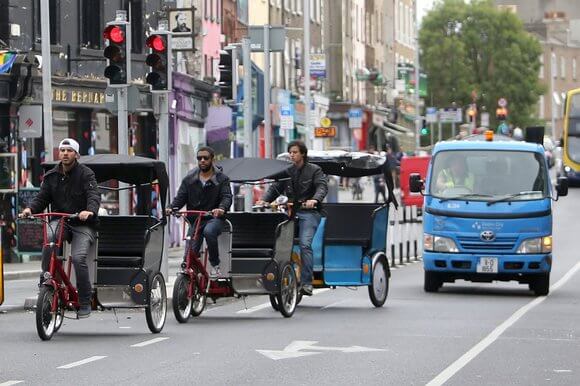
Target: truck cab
(487, 213)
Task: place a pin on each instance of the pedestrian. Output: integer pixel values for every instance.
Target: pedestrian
(205, 188)
(306, 188)
(380, 189)
(71, 187)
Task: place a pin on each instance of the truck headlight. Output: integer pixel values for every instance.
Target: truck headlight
(536, 245)
(439, 244)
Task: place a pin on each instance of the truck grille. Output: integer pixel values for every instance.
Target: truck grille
(501, 243)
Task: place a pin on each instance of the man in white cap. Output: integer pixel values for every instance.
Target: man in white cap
(71, 187)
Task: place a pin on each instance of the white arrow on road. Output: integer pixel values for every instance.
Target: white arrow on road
(295, 350)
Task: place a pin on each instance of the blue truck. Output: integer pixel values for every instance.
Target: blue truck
(487, 213)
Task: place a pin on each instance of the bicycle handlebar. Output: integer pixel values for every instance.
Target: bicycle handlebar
(69, 216)
(191, 212)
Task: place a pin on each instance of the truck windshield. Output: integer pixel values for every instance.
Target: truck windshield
(478, 175)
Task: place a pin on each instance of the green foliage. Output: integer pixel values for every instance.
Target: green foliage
(476, 47)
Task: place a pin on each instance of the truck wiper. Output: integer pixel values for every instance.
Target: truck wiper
(462, 196)
(514, 195)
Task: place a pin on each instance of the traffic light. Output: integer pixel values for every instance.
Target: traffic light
(472, 112)
(159, 59)
(424, 127)
(117, 36)
(225, 82)
(501, 113)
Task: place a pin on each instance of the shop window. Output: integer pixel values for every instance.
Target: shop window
(54, 16)
(91, 24)
(137, 31)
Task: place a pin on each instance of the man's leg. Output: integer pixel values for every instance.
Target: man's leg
(82, 238)
(308, 223)
(211, 231)
(52, 233)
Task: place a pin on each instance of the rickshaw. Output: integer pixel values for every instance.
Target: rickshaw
(255, 251)
(124, 261)
(349, 246)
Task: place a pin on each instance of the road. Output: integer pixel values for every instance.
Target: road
(467, 334)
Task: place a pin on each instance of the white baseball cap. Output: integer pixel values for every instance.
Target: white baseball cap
(69, 143)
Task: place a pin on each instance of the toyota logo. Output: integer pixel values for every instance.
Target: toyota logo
(487, 236)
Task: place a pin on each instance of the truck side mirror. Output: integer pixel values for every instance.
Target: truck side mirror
(562, 186)
(415, 183)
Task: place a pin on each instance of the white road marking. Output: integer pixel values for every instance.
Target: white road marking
(82, 362)
(125, 327)
(148, 342)
(454, 368)
(267, 305)
(563, 371)
(10, 383)
(334, 304)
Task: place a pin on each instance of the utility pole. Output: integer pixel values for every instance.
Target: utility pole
(267, 88)
(306, 75)
(553, 64)
(46, 81)
(417, 80)
(248, 138)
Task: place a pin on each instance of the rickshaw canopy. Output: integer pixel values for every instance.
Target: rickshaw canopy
(345, 164)
(253, 169)
(125, 168)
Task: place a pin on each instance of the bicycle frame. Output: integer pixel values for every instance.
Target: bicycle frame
(59, 279)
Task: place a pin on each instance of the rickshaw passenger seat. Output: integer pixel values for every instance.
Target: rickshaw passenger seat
(122, 241)
(349, 224)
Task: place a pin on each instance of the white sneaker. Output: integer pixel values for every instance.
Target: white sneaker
(215, 271)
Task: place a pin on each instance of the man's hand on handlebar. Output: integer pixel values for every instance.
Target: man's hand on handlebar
(309, 204)
(218, 212)
(85, 215)
(262, 203)
(25, 213)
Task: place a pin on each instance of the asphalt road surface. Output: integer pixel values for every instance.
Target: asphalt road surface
(467, 334)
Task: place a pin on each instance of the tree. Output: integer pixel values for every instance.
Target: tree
(477, 50)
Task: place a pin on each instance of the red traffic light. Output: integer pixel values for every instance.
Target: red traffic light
(114, 33)
(156, 43)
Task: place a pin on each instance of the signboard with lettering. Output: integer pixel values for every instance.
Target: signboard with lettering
(318, 65)
(29, 236)
(30, 121)
(325, 132)
(181, 26)
(355, 118)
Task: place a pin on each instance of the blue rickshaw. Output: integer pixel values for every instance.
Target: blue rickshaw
(349, 246)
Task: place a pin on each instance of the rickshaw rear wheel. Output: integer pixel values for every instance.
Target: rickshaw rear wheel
(156, 311)
(199, 299)
(274, 302)
(379, 287)
(46, 320)
(288, 295)
(182, 306)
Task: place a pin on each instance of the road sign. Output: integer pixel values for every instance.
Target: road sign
(450, 115)
(485, 119)
(286, 118)
(431, 114)
(355, 118)
(325, 132)
(318, 65)
(277, 38)
(502, 102)
(302, 348)
(325, 122)
(30, 121)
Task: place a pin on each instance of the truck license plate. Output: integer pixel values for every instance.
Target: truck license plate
(487, 265)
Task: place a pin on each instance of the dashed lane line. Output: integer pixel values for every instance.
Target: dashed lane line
(148, 342)
(267, 305)
(454, 368)
(82, 362)
(10, 383)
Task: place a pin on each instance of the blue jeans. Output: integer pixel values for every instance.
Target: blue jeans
(210, 230)
(307, 224)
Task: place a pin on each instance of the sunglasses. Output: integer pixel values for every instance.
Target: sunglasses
(203, 157)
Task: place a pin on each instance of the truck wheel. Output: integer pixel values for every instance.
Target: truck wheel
(541, 285)
(432, 283)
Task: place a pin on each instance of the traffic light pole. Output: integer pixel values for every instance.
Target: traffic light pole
(161, 106)
(46, 81)
(123, 145)
(267, 115)
(248, 140)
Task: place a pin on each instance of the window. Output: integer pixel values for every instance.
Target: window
(562, 67)
(574, 68)
(541, 113)
(91, 25)
(312, 10)
(54, 15)
(541, 75)
(299, 6)
(318, 13)
(287, 5)
(207, 9)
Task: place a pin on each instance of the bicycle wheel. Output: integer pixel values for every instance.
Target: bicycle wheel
(182, 306)
(274, 302)
(199, 298)
(288, 291)
(156, 311)
(46, 320)
(379, 287)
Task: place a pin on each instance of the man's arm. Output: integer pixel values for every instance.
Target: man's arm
(181, 197)
(225, 195)
(42, 199)
(93, 195)
(275, 190)
(321, 183)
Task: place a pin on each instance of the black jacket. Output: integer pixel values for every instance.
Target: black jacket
(215, 194)
(70, 192)
(306, 183)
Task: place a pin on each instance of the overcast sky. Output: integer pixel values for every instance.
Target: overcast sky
(424, 6)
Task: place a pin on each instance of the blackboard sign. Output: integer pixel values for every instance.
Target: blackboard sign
(25, 196)
(29, 236)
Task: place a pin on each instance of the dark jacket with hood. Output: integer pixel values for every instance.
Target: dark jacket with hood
(215, 194)
(306, 183)
(71, 192)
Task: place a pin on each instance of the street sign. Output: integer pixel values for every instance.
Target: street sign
(318, 65)
(431, 114)
(485, 119)
(325, 132)
(355, 118)
(502, 102)
(286, 118)
(325, 122)
(277, 38)
(450, 115)
(181, 22)
(30, 121)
